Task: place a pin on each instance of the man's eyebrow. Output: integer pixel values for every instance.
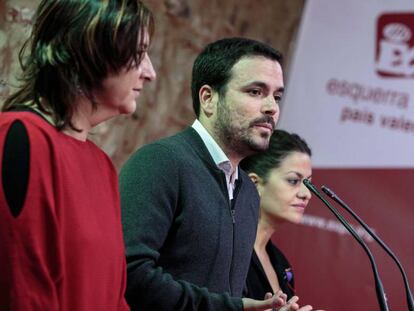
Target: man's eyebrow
(264, 86)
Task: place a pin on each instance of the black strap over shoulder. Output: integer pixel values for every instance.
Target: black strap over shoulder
(15, 166)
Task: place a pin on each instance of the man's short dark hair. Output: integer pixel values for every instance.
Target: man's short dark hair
(213, 65)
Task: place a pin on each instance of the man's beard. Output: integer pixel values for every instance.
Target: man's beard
(240, 140)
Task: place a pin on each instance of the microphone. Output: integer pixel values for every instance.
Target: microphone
(378, 284)
(408, 292)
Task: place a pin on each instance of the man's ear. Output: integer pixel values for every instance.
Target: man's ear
(208, 100)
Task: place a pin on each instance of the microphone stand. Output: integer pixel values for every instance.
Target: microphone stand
(408, 292)
(378, 284)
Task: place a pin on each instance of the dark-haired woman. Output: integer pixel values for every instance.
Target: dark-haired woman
(278, 174)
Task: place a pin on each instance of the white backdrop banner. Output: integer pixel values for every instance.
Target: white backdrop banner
(350, 91)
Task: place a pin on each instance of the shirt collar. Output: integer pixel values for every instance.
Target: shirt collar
(218, 155)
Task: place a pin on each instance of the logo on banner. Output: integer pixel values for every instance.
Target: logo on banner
(395, 45)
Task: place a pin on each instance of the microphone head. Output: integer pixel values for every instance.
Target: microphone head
(306, 182)
(328, 191)
(309, 184)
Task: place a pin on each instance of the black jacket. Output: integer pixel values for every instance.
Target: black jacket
(257, 284)
(182, 243)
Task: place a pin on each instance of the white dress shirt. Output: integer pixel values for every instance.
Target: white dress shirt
(219, 157)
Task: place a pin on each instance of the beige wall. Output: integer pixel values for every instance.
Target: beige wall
(183, 27)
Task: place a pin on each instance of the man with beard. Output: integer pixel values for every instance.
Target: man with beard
(189, 212)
